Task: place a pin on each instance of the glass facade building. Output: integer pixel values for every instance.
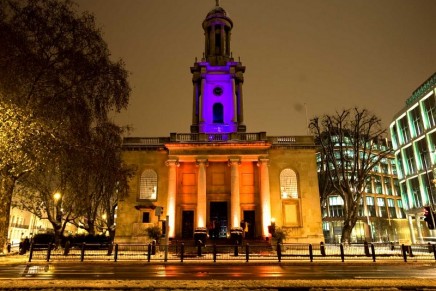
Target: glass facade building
(381, 215)
(413, 134)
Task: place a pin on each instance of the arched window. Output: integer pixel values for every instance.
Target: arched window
(148, 185)
(218, 113)
(288, 184)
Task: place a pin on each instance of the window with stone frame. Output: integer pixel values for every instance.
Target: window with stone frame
(391, 207)
(148, 185)
(288, 184)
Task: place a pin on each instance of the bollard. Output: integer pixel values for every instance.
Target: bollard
(366, 248)
(403, 250)
(182, 252)
(50, 245)
(82, 252)
(247, 252)
(310, 252)
(322, 249)
(214, 253)
(149, 252)
(279, 252)
(373, 252)
(116, 253)
(236, 251)
(341, 246)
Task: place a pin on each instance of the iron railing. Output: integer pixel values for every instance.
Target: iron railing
(180, 252)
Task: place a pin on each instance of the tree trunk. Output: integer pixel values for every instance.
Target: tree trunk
(7, 184)
(346, 234)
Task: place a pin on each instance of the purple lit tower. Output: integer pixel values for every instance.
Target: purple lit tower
(217, 80)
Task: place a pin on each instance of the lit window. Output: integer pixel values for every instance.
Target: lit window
(288, 184)
(148, 185)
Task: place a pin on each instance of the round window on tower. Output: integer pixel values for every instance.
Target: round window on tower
(217, 91)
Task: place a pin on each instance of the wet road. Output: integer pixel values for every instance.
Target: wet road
(81, 271)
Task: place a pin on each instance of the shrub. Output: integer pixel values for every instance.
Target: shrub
(154, 232)
(280, 234)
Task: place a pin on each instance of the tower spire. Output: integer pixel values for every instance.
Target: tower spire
(217, 3)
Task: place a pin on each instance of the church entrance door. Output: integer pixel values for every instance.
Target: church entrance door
(187, 224)
(218, 219)
(250, 218)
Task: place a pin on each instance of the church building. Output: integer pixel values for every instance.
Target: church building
(219, 176)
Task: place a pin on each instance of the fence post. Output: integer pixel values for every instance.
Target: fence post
(116, 253)
(373, 252)
(403, 250)
(341, 246)
(214, 253)
(31, 253)
(182, 252)
(199, 250)
(366, 249)
(279, 252)
(153, 247)
(49, 251)
(82, 252)
(247, 252)
(236, 251)
(110, 249)
(322, 249)
(148, 252)
(310, 252)
(409, 248)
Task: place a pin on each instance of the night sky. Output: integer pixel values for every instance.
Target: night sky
(319, 55)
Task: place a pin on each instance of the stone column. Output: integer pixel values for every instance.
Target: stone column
(201, 193)
(171, 200)
(265, 199)
(412, 232)
(235, 207)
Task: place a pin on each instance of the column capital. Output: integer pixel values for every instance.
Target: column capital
(232, 161)
(262, 161)
(205, 162)
(170, 163)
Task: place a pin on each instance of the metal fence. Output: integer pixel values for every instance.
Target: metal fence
(180, 252)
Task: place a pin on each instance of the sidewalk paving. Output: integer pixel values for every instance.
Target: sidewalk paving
(240, 285)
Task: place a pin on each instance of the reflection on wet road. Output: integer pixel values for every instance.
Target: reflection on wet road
(77, 271)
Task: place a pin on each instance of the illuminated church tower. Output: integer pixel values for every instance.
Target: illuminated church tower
(217, 80)
(219, 176)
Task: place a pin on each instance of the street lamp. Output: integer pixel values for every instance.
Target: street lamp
(58, 214)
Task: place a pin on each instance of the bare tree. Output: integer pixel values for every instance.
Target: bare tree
(56, 67)
(350, 148)
(102, 178)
